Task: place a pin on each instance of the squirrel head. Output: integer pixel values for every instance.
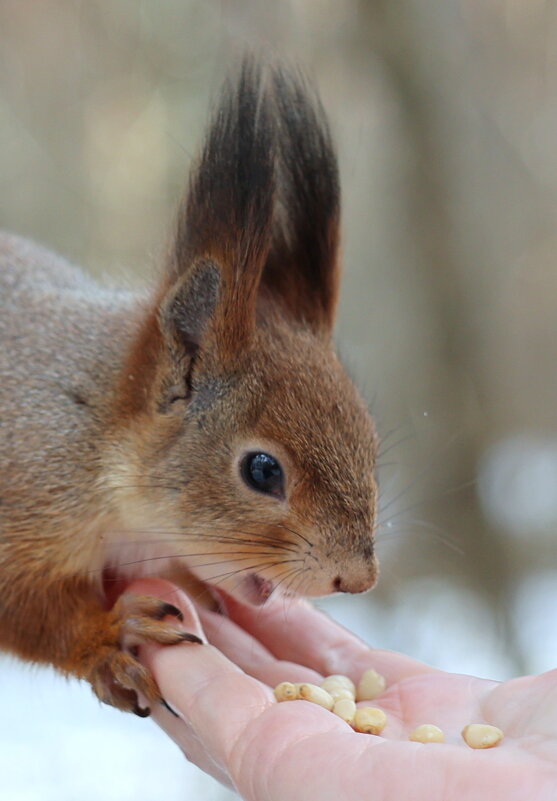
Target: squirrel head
(252, 453)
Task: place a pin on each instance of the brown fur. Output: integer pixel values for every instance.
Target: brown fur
(123, 418)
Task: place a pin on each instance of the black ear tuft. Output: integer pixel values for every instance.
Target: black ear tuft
(263, 209)
(303, 268)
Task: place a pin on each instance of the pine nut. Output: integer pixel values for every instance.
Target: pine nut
(370, 720)
(481, 735)
(370, 685)
(315, 694)
(338, 692)
(345, 709)
(286, 691)
(427, 733)
(336, 682)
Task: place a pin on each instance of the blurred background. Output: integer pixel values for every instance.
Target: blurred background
(445, 116)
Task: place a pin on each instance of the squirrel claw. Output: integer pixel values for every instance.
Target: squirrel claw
(169, 609)
(188, 637)
(142, 712)
(169, 708)
(115, 673)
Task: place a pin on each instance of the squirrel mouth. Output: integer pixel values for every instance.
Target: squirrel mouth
(256, 589)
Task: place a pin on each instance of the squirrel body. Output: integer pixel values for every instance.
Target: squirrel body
(63, 338)
(204, 431)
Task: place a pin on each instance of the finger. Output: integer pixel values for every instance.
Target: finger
(210, 693)
(299, 633)
(176, 727)
(201, 684)
(249, 654)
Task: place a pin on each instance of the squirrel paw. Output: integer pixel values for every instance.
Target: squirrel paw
(117, 677)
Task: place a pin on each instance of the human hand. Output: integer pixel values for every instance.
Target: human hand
(230, 725)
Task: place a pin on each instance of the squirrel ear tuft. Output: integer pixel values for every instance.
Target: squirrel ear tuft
(188, 307)
(303, 269)
(227, 215)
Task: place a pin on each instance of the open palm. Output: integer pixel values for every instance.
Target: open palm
(230, 725)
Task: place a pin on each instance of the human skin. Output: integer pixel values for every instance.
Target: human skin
(230, 725)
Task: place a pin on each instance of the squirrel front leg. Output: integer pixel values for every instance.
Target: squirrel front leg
(71, 630)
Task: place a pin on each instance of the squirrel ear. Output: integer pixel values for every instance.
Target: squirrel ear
(227, 216)
(168, 337)
(188, 307)
(303, 268)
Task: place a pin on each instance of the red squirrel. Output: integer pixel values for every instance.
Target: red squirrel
(205, 432)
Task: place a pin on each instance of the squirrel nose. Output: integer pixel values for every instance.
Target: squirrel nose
(359, 583)
(350, 585)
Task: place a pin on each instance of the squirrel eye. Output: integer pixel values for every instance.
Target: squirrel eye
(263, 473)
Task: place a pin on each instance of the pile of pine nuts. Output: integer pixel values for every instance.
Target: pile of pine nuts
(338, 694)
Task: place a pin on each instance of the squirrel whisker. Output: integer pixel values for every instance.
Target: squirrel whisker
(422, 528)
(249, 539)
